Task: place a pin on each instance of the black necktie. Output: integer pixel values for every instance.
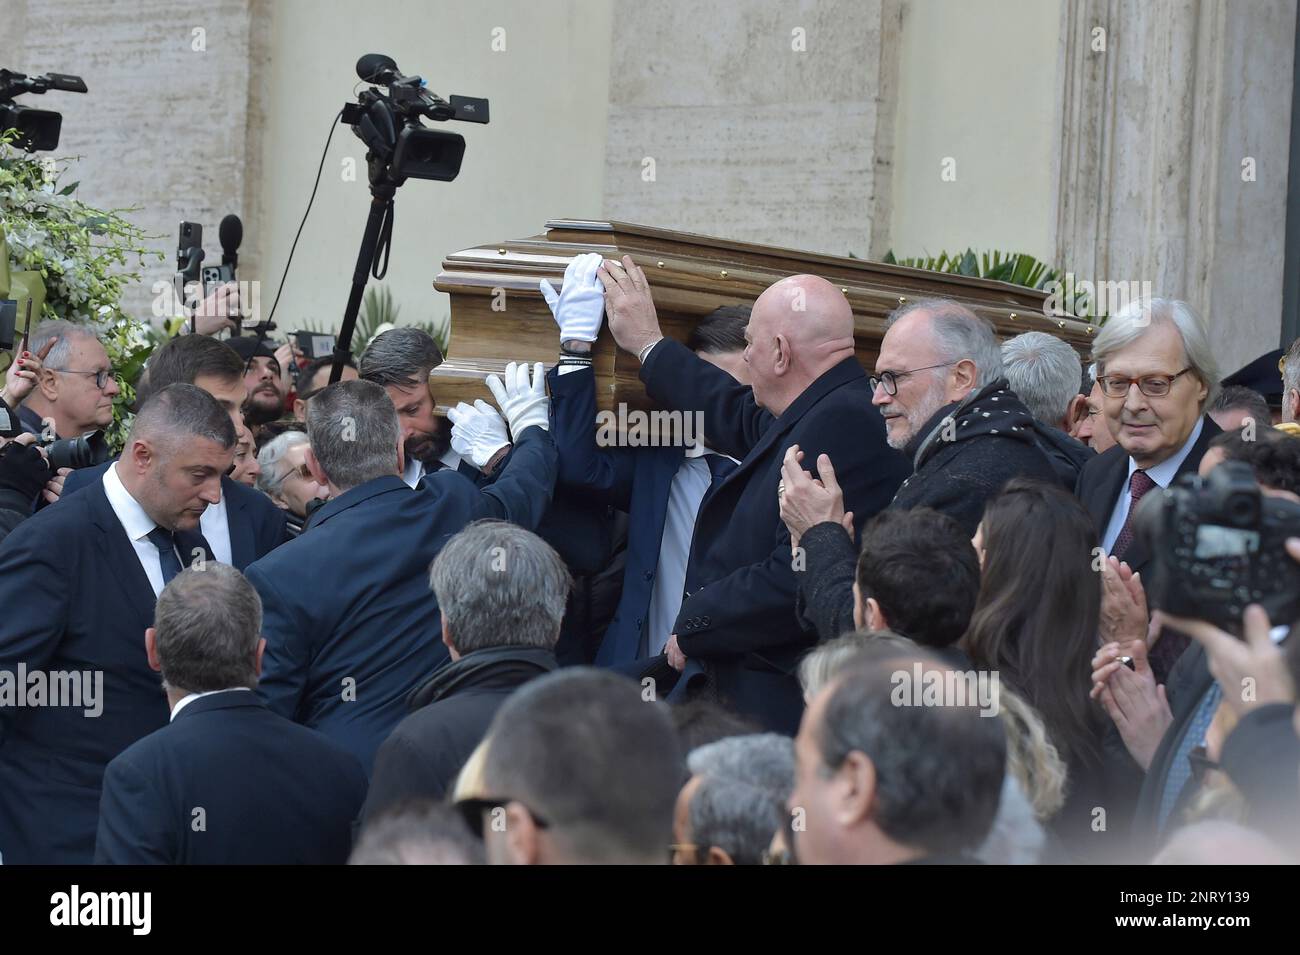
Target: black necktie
(173, 548)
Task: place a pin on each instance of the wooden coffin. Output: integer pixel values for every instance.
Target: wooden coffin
(498, 315)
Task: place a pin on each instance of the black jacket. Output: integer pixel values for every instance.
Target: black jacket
(450, 714)
(958, 466)
(1067, 455)
(1262, 758)
(229, 782)
(992, 442)
(738, 615)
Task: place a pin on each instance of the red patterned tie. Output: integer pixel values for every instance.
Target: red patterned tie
(1138, 485)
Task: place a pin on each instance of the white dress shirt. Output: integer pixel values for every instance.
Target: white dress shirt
(690, 484)
(137, 525)
(185, 701)
(1162, 474)
(415, 468)
(215, 527)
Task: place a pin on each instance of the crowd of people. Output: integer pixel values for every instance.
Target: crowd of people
(911, 615)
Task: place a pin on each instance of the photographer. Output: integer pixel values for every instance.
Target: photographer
(1161, 726)
(23, 474)
(74, 385)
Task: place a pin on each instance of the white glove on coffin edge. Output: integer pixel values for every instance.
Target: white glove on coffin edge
(523, 404)
(580, 306)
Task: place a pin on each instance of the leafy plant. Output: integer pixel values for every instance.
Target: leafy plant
(1015, 268)
(85, 256)
(378, 313)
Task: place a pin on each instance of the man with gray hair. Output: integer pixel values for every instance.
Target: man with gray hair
(939, 385)
(399, 360)
(351, 627)
(1291, 384)
(734, 802)
(75, 386)
(502, 592)
(171, 798)
(286, 480)
(1045, 372)
(1158, 376)
(78, 582)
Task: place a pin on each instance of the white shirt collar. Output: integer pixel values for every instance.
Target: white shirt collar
(185, 701)
(135, 521)
(1165, 472)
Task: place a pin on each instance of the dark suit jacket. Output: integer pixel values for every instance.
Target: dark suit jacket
(739, 611)
(229, 782)
(449, 716)
(350, 623)
(256, 525)
(1102, 479)
(635, 480)
(75, 598)
(1188, 683)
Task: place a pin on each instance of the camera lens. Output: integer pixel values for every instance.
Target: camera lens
(1242, 510)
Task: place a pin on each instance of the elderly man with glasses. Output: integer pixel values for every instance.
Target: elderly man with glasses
(74, 388)
(287, 480)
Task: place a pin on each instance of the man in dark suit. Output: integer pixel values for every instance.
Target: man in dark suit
(501, 591)
(78, 582)
(226, 781)
(244, 525)
(350, 625)
(1157, 373)
(660, 488)
(738, 615)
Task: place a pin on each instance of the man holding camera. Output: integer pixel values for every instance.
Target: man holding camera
(74, 388)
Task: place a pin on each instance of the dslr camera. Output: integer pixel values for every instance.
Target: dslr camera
(1217, 546)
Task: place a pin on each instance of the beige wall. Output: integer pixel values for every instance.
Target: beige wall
(541, 157)
(978, 82)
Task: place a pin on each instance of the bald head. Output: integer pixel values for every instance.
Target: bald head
(801, 327)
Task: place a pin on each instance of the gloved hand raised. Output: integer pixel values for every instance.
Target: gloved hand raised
(477, 431)
(578, 307)
(524, 404)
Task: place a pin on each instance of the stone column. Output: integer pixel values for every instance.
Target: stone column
(1173, 155)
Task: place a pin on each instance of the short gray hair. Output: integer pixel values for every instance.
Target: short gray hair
(1135, 319)
(1045, 374)
(178, 412)
(269, 458)
(740, 801)
(959, 334)
(400, 356)
(499, 585)
(1291, 374)
(208, 620)
(64, 331)
(353, 429)
(821, 664)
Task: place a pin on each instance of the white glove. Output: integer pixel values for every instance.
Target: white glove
(524, 404)
(477, 431)
(579, 307)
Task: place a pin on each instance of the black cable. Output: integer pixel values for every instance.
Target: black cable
(334, 124)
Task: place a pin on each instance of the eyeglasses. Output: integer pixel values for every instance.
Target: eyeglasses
(472, 810)
(1153, 386)
(101, 377)
(890, 379)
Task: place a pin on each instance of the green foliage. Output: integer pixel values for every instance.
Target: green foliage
(86, 256)
(1015, 268)
(378, 312)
